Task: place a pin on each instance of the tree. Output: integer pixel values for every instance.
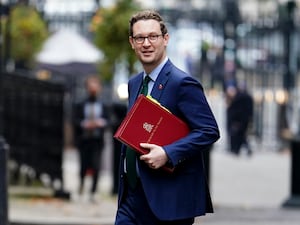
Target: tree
(27, 32)
(111, 30)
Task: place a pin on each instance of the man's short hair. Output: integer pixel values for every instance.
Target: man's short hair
(147, 15)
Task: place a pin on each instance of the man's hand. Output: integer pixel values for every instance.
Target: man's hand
(93, 124)
(156, 157)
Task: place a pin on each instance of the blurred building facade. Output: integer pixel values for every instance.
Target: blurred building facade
(257, 40)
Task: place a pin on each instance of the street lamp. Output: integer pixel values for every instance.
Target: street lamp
(288, 27)
(286, 17)
(4, 10)
(4, 14)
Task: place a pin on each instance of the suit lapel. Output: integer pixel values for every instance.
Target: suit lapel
(137, 86)
(158, 86)
(161, 81)
(135, 89)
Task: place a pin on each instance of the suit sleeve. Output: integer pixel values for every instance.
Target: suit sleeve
(193, 108)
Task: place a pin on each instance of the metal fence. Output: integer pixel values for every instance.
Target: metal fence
(33, 124)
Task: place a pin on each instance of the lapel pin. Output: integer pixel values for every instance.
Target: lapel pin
(160, 87)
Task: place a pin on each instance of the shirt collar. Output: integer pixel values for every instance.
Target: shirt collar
(154, 74)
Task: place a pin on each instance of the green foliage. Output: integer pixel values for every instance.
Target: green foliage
(28, 31)
(110, 27)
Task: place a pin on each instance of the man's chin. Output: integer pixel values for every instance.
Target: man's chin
(147, 60)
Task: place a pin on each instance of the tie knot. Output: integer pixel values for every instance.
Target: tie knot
(146, 79)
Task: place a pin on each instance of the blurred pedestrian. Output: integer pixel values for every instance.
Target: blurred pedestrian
(204, 66)
(90, 120)
(239, 117)
(189, 63)
(217, 69)
(148, 194)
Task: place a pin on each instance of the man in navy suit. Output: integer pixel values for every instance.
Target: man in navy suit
(159, 197)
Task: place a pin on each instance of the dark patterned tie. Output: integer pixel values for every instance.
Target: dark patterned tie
(130, 153)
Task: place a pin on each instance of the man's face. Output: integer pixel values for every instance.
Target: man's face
(231, 91)
(93, 88)
(150, 53)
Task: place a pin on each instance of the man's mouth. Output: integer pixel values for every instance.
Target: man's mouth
(146, 53)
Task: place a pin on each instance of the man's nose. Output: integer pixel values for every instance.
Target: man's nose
(146, 41)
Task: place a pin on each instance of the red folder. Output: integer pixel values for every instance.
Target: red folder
(148, 122)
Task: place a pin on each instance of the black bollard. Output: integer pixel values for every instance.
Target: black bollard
(3, 182)
(294, 199)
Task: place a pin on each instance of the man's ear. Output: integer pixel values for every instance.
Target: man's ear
(166, 39)
(131, 42)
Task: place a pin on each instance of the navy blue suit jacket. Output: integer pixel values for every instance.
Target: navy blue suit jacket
(183, 194)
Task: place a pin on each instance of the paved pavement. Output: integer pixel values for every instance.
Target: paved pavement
(245, 190)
